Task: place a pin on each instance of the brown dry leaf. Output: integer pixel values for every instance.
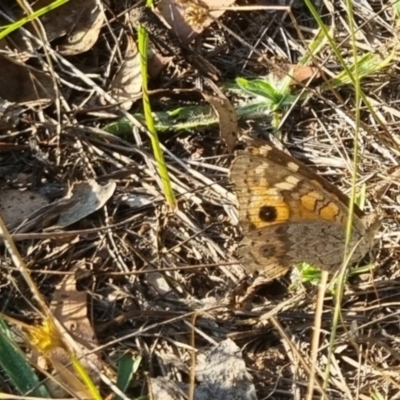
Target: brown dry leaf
(83, 199)
(298, 73)
(228, 122)
(17, 205)
(127, 83)
(303, 73)
(86, 27)
(80, 21)
(43, 216)
(189, 18)
(86, 197)
(20, 83)
(69, 308)
(156, 63)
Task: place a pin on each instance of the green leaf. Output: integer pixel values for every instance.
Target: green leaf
(127, 366)
(258, 87)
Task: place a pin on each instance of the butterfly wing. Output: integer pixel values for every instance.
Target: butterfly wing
(275, 249)
(289, 214)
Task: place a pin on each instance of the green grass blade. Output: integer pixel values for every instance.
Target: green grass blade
(366, 65)
(396, 9)
(158, 154)
(6, 30)
(328, 36)
(86, 379)
(17, 368)
(315, 46)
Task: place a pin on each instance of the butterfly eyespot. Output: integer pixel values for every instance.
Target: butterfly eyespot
(268, 213)
(267, 251)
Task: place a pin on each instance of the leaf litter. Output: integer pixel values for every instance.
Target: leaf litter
(167, 285)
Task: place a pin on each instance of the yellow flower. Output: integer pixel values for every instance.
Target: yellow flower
(45, 337)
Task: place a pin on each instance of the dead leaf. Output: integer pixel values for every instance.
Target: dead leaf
(83, 199)
(43, 216)
(20, 83)
(85, 30)
(80, 21)
(298, 73)
(86, 197)
(69, 307)
(189, 18)
(156, 63)
(228, 122)
(17, 205)
(127, 83)
(302, 73)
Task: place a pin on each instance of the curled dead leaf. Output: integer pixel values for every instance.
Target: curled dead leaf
(228, 121)
(127, 83)
(86, 198)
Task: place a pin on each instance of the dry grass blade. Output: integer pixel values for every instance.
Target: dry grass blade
(316, 334)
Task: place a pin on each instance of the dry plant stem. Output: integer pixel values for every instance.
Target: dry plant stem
(192, 382)
(338, 299)
(65, 234)
(123, 273)
(316, 333)
(294, 367)
(250, 8)
(358, 95)
(19, 263)
(295, 351)
(157, 325)
(41, 32)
